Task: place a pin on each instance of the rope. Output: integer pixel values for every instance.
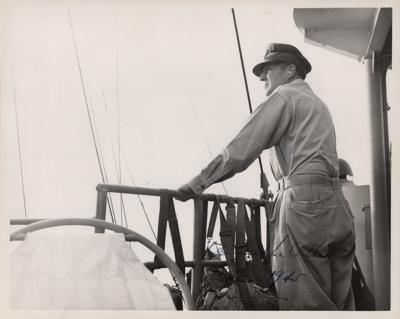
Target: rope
(19, 147)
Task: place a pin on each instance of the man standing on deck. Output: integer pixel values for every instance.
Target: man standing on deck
(313, 238)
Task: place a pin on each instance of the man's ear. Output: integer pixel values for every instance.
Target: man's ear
(291, 70)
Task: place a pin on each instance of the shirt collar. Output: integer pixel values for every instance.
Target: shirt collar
(298, 83)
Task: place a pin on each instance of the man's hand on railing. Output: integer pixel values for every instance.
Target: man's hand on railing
(185, 193)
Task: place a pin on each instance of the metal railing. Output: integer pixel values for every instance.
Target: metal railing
(199, 227)
(197, 263)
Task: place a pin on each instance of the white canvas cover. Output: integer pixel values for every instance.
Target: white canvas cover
(82, 271)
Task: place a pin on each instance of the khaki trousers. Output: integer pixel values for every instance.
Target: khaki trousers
(312, 251)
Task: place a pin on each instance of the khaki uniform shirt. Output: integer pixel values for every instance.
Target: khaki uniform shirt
(295, 123)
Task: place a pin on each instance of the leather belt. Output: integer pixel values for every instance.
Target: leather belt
(310, 180)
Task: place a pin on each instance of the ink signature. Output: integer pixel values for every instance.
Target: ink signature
(295, 251)
(285, 277)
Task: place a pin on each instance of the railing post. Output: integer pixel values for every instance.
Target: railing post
(199, 242)
(101, 208)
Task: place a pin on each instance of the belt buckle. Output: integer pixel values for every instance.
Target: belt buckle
(281, 184)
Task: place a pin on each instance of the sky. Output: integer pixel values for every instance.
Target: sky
(170, 75)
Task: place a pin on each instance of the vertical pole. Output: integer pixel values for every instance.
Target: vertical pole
(263, 178)
(101, 208)
(385, 62)
(199, 242)
(379, 191)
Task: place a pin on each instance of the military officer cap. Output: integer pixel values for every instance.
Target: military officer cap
(284, 53)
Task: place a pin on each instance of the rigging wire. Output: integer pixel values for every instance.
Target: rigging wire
(201, 129)
(109, 133)
(86, 103)
(141, 203)
(124, 214)
(148, 221)
(118, 112)
(118, 165)
(112, 211)
(19, 147)
(114, 154)
(118, 120)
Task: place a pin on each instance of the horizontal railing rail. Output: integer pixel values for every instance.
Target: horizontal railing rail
(178, 195)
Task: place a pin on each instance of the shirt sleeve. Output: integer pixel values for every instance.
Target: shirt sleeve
(262, 130)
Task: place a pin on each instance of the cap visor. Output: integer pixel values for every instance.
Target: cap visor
(258, 69)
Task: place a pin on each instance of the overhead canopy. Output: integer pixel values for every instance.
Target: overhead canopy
(354, 32)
